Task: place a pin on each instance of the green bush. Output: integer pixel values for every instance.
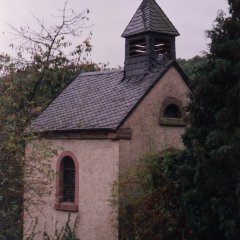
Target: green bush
(149, 199)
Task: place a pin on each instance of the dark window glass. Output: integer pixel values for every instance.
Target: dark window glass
(138, 47)
(68, 180)
(172, 111)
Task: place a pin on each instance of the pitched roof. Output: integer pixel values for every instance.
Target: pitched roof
(150, 18)
(97, 101)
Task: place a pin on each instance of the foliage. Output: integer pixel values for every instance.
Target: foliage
(206, 175)
(45, 63)
(210, 168)
(66, 232)
(149, 199)
(191, 67)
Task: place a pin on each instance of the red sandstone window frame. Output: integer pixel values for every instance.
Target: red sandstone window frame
(59, 204)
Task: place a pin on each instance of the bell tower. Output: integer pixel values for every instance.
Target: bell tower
(150, 39)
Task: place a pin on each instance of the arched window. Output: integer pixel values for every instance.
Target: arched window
(67, 183)
(172, 113)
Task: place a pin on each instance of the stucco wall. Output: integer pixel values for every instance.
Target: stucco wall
(101, 160)
(147, 133)
(98, 168)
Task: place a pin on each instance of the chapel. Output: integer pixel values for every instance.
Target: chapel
(105, 121)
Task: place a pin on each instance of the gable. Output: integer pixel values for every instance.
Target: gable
(171, 84)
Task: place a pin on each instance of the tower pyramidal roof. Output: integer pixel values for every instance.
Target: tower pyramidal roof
(150, 18)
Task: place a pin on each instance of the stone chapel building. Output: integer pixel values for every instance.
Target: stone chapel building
(104, 121)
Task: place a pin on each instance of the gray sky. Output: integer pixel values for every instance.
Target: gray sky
(109, 19)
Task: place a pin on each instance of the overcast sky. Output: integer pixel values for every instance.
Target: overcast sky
(110, 17)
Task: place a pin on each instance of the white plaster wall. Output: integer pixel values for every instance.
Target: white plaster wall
(98, 169)
(147, 133)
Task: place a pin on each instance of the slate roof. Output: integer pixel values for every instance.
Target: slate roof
(103, 100)
(97, 100)
(150, 18)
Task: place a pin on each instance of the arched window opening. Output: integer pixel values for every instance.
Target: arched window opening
(67, 182)
(172, 111)
(68, 171)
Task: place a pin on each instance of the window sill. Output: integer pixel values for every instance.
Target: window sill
(172, 122)
(64, 206)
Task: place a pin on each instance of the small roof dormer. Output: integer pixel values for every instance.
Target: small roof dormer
(150, 37)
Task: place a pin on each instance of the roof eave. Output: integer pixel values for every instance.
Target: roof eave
(147, 32)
